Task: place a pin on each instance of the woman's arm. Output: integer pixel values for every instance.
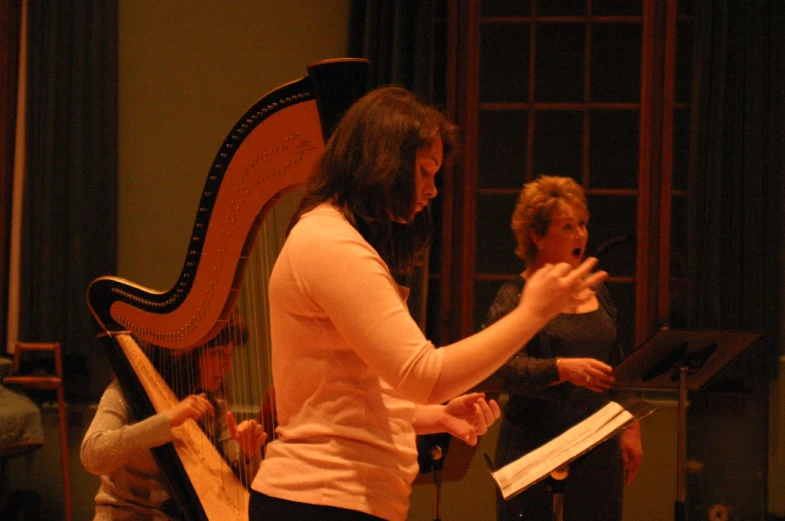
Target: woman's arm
(531, 370)
(112, 440)
(631, 450)
(370, 314)
(475, 358)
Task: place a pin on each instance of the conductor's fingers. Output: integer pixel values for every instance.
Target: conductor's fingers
(582, 270)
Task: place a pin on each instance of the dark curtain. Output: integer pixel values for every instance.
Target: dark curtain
(10, 16)
(736, 173)
(735, 244)
(70, 223)
(399, 38)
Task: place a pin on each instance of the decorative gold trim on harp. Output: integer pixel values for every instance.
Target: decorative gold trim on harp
(273, 158)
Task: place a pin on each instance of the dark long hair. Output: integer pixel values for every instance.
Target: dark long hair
(367, 170)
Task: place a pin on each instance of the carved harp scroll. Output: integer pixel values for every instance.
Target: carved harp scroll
(270, 150)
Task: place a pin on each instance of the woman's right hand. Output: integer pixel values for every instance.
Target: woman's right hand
(193, 406)
(555, 287)
(586, 372)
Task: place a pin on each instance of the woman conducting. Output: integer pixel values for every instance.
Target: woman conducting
(355, 379)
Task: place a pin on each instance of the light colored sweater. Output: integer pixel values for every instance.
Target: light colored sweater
(118, 450)
(349, 362)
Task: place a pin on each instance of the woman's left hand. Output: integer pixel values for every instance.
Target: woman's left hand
(468, 416)
(631, 451)
(249, 434)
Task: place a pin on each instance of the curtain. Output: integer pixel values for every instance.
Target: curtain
(735, 245)
(9, 51)
(69, 216)
(399, 39)
(737, 169)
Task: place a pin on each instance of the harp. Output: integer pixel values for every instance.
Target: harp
(269, 151)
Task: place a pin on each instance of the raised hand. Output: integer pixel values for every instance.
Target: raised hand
(249, 434)
(554, 287)
(193, 406)
(468, 416)
(586, 372)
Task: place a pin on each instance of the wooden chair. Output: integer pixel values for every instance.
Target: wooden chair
(50, 382)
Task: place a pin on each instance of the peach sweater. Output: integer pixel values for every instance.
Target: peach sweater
(349, 363)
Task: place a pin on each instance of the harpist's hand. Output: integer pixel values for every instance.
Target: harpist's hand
(194, 406)
(249, 434)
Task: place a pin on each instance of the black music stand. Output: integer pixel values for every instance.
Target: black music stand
(681, 360)
(432, 449)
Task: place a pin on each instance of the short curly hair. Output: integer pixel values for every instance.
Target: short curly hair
(534, 210)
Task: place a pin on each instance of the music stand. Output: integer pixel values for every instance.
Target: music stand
(681, 360)
(432, 450)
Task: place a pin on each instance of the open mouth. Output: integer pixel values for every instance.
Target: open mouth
(577, 252)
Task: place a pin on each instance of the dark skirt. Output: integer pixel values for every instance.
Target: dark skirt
(264, 508)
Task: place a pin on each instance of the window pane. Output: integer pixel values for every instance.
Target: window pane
(561, 7)
(502, 149)
(616, 7)
(506, 8)
(558, 143)
(495, 240)
(686, 6)
(504, 62)
(613, 149)
(612, 233)
(616, 62)
(560, 58)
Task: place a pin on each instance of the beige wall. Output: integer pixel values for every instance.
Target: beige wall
(188, 70)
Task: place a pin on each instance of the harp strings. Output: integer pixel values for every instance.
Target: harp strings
(256, 305)
(234, 368)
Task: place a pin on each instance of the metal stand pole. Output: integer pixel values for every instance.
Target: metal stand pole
(559, 480)
(679, 509)
(436, 454)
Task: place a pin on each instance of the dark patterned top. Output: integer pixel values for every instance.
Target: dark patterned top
(539, 409)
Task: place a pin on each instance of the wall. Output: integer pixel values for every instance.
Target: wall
(188, 71)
